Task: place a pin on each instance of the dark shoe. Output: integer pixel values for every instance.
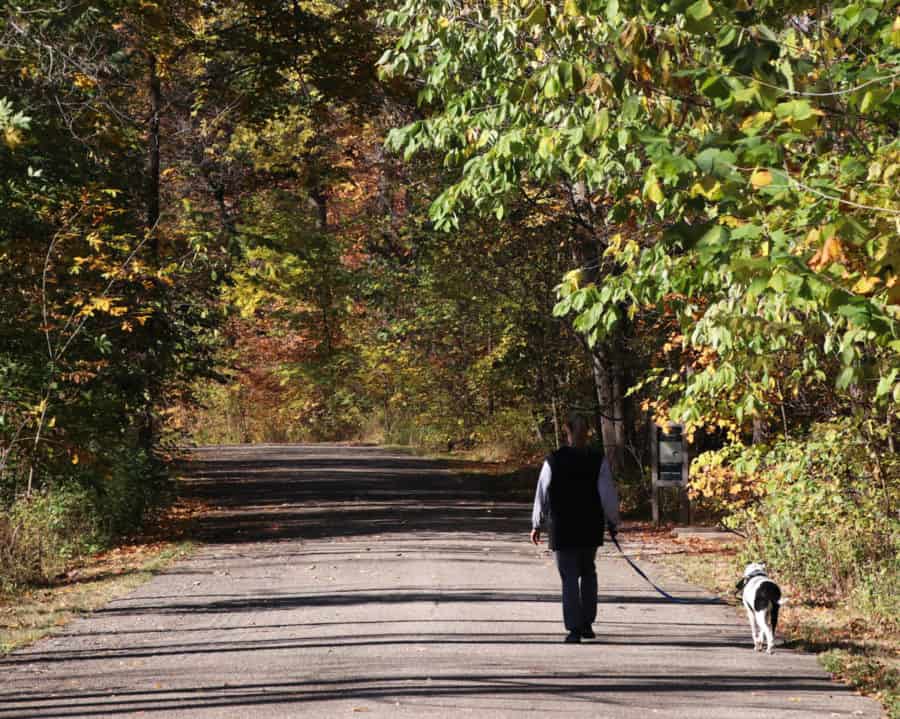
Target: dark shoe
(573, 638)
(588, 633)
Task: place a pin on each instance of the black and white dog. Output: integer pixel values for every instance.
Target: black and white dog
(761, 598)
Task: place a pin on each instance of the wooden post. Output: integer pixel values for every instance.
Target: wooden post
(654, 466)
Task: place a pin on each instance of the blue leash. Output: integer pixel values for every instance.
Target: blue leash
(637, 569)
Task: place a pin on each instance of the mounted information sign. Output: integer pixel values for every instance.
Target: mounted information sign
(671, 468)
(671, 462)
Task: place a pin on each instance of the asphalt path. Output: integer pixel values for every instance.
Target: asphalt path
(342, 581)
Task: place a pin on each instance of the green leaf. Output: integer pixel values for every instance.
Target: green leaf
(566, 76)
(552, 86)
(714, 161)
(845, 378)
(866, 103)
(698, 17)
(885, 384)
(757, 287)
(612, 12)
(563, 307)
(538, 16)
(598, 125)
(700, 10)
(570, 8)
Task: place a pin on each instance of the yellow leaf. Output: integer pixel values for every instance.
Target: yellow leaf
(832, 251)
(731, 221)
(74, 459)
(754, 122)
(655, 193)
(709, 187)
(12, 137)
(83, 82)
(575, 277)
(866, 285)
(761, 178)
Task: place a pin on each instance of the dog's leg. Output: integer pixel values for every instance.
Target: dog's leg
(768, 631)
(757, 644)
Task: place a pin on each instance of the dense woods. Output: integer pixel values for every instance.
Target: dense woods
(446, 224)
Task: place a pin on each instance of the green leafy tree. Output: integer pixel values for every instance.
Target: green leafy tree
(728, 162)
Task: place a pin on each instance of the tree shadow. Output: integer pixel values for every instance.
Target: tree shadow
(307, 492)
(715, 691)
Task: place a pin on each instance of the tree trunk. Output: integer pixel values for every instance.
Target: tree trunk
(490, 380)
(608, 384)
(147, 430)
(153, 172)
(759, 430)
(319, 201)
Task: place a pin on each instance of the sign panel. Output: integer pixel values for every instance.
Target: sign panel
(670, 457)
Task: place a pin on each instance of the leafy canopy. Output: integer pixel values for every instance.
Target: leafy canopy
(743, 160)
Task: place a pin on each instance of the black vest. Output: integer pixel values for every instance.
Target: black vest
(576, 512)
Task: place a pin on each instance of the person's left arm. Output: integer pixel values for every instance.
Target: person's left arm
(609, 496)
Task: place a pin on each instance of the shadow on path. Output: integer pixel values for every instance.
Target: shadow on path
(573, 686)
(307, 492)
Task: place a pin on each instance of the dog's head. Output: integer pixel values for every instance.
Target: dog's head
(754, 569)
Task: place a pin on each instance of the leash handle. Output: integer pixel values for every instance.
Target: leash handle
(637, 569)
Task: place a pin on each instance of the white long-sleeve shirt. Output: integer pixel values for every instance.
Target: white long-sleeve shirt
(606, 487)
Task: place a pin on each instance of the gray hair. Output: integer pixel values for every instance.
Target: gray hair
(576, 422)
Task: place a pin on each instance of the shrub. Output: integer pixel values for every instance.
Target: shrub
(510, 432)
(822, 518)
(723, 481)
(40, 533)
(78, 510)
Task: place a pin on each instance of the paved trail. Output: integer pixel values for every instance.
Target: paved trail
(340, 582)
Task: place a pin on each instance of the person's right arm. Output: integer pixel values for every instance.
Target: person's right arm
(609, 496)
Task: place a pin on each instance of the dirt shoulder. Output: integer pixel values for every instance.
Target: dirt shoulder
(91, 582)
(847, 644)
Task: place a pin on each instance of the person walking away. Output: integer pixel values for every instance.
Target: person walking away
(576, 493)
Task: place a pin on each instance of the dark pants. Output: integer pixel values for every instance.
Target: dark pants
(579, 586)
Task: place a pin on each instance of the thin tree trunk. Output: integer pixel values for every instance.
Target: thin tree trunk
(490, 387)
(554, 408)
(153, 144)
(319, 201)
(147, 431)
(759, 430)
(618, 421)
(611, 423)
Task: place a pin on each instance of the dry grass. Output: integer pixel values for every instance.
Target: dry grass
(29, 613)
